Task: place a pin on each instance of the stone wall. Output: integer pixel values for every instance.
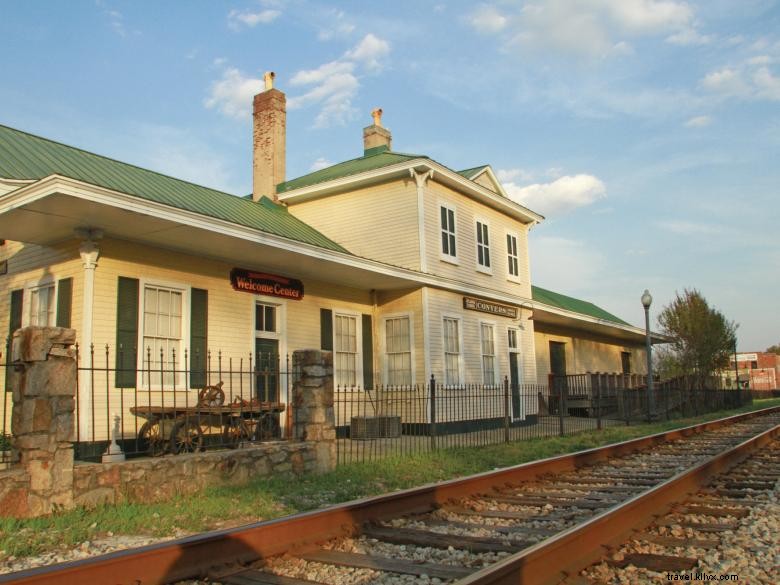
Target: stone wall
(45, 479)
(161, 478)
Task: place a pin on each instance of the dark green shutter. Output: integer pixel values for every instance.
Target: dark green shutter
(368, 353)
(14, 322)
(64, 301)
(199, 309)
(326, 329)
(126, 332)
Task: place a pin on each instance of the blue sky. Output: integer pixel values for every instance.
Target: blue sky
(647, 131)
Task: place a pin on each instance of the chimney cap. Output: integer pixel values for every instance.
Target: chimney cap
(268, 78)
(376, 113)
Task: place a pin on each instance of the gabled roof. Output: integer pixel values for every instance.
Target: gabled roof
(567, 303)
(372, 159)
(472, 172)
(25, 156)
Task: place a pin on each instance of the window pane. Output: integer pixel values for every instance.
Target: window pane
(444, 218)
(270, 318)
(259, 318)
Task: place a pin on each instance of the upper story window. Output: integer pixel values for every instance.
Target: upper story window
(346, 350)
(511, 335)
(451, 351)
(513, 266)
(42, 306)
(483, 246)
(448, 233)
(398, 351)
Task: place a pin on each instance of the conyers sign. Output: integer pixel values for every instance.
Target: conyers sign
(260, 283)
(489, 307)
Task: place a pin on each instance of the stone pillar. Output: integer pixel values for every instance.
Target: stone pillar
(44, 385)
(313, 417)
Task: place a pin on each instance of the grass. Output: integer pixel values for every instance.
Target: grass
(267, 498)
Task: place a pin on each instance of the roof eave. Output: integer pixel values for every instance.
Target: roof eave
(442, 174)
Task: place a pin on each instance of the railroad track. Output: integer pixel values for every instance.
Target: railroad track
(535, 523)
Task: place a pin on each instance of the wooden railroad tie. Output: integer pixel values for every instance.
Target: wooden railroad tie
(657, 563)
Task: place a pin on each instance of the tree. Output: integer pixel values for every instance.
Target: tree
(703, 338)
(774, 349)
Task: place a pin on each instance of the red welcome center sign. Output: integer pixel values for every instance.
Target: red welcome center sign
(261, 283)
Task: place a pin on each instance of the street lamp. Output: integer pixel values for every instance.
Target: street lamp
(647, 300)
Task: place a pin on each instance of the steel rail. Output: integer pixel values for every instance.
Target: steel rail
(564, 555)
(196, 555)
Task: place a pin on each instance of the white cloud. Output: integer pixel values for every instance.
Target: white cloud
(320, 163)
(232, 95)
(698, 122)
(594, 28)
(239, 18)
(752, 80)
(369, 51)
(687, 228)
(487, 19)
(336, 83)
(559, 196)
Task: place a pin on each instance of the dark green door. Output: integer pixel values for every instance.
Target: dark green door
(558, 367)
(267, 369)
(514, 385)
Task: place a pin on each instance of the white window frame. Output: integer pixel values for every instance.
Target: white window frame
(479, 221)
(358, 347)
(509, 276)
(461, 377)
(483, 355)
(29, 288)
(383, 345)
(451, 258)
(186, 290)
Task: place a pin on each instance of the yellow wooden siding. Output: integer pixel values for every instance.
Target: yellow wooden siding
(584, 354)
(467, 212)
(485, 181)
(397, 303)
(378, 222)
(443, 303)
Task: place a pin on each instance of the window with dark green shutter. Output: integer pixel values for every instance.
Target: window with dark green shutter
(199, 308)
(126, 332)
(14, 322)
(368, 353)
(64, 301)
(326, 329)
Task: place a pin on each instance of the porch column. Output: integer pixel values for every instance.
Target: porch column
(89, 252)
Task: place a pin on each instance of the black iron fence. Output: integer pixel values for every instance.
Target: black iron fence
(170, 402)
(399, 420)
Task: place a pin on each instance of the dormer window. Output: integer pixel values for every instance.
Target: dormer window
(448, 233)
(483, 247)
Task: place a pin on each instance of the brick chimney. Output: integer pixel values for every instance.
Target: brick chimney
(270, 124)
(376, 135)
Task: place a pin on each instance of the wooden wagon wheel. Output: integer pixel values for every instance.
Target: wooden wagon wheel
(186, 436)
(235, 431)
(212, 395)
(150, 439)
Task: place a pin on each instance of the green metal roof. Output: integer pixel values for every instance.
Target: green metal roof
(372, 159)
(555, 299)
(468, 173)
(25, 156)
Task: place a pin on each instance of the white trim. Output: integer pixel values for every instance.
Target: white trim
(358, 345)
(481, 267)
(383, 344)
(509, 276)
(426, 323)
(447, 176)
(421, 180)
(493, 179)
(496, 364)
(179, 377)
(451, 258)
(48, 281)
(78, 189)
(461, 365)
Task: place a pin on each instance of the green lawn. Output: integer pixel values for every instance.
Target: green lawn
(273, 497)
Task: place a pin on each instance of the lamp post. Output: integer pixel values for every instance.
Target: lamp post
(647, 300)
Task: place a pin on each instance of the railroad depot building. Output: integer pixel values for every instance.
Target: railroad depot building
(402, 267)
